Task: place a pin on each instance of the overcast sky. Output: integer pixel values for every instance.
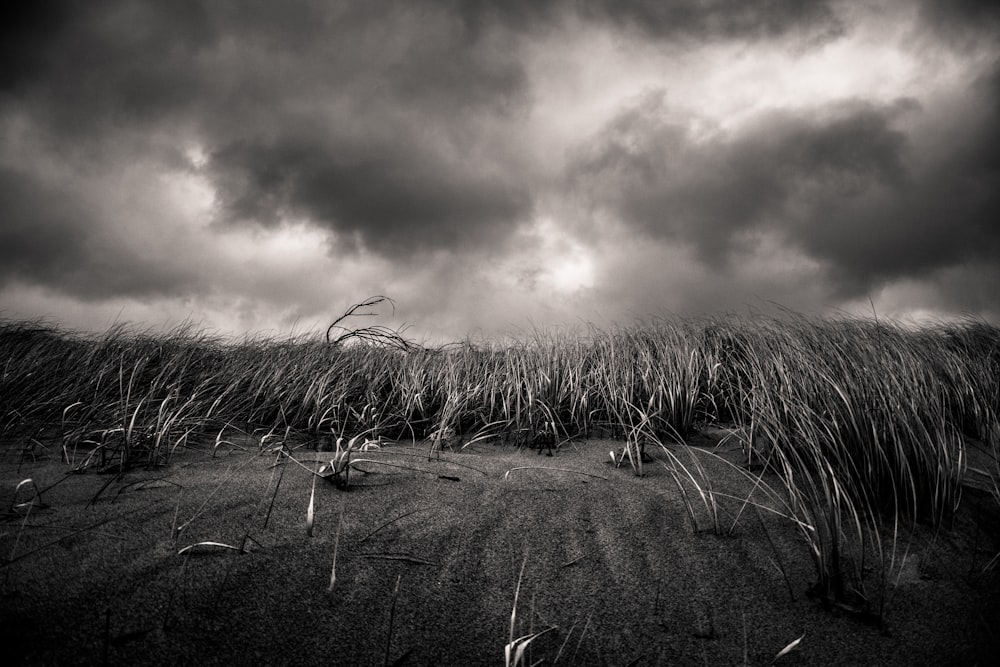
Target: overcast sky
(259, 166)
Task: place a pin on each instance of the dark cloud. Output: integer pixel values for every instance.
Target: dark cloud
(666, 181)
(81, 66)
(942, 215)
(27, 32)
(54, 238)
(673, 19)
(103, 66)
(394, 198)
(364, 118)
(716, 19)
(839, 184)
(962, 23)
(41, 234)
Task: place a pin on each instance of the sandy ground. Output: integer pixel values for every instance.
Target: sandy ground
(428, 560)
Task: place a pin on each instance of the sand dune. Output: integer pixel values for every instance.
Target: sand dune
(611, 562)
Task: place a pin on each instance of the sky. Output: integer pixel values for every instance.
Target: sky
(258, 167)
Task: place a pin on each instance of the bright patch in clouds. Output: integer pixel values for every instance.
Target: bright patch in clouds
(572, 273)
(566, 265)
(196, 155)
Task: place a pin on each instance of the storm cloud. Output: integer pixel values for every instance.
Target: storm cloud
(515, 157)
(395, 199)
(842, 184)
(57, 239)
(710, 190)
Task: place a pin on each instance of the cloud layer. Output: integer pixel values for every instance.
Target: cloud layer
(251, 166)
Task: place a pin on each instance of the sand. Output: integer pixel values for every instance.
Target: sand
(429, 555)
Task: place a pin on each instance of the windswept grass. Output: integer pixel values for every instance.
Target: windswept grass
(863, 426)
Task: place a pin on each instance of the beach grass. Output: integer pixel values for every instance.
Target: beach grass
(855, 433)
